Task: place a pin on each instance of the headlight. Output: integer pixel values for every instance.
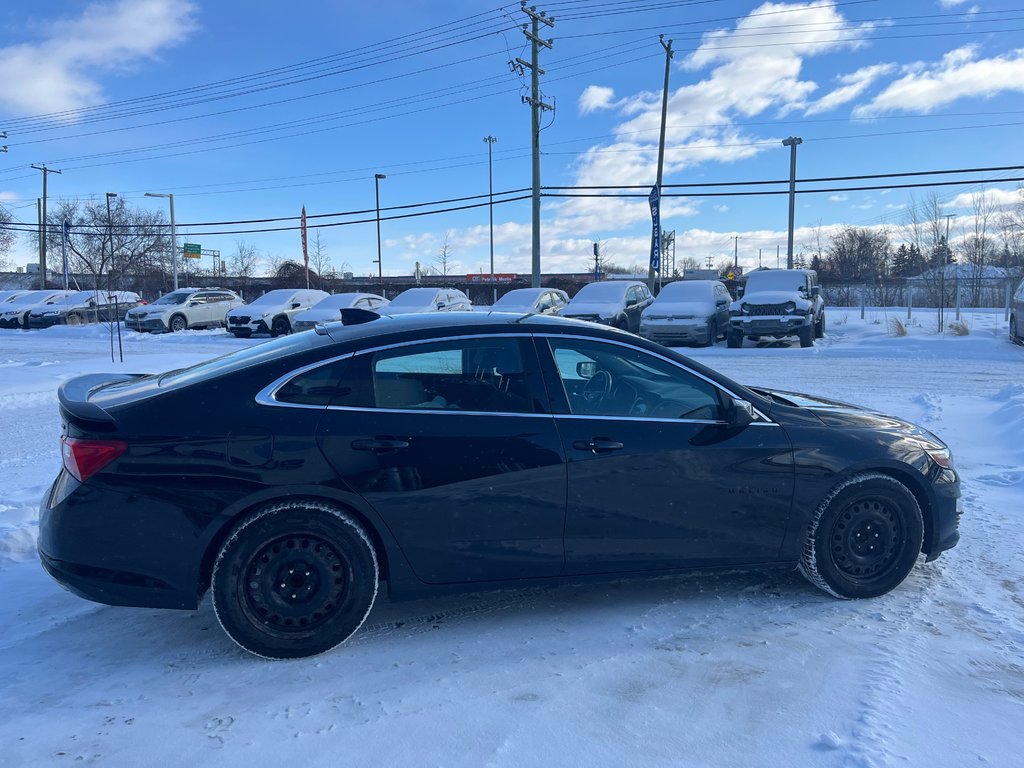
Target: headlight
(745, 308)
(941, 456)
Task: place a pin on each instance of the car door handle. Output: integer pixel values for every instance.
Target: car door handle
(598, 445)
(379, 445)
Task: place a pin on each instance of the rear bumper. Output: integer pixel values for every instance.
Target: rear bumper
(121, 561)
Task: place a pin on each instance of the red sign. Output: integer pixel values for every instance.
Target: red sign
(500, 277)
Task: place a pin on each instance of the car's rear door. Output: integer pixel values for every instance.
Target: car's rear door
(656, 478)
(453, 445)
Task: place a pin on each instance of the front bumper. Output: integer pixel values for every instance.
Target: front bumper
(147, 324)
(247, 328)
(946, 514)
(46, 321)
(10, 323)
(769, 325)
(661, 331)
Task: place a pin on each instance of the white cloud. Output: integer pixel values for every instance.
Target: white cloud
(996, 197)
(742, 81)
(838, 198)
(722, 208)
(595, 97)
(851, 86)
(926, 87)
(951, 3)
(61, 71)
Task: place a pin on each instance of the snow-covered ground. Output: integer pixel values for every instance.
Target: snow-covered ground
(746, 669)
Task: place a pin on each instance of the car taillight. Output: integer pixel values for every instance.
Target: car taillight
(84, 458)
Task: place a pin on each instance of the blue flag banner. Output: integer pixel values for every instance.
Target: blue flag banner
(655, 200)
(65, 238)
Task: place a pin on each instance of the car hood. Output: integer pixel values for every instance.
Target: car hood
(835, 413)
(698, 309)
(772, 297)
(592, 308)
(405, 309)
(253, 310)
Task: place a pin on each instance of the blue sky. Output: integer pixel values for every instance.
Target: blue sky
(409, 89)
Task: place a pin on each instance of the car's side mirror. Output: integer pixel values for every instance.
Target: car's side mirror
(586, 369)
(296, 305)
(441, 305)
(816, 291)
(193, 304)
(630, 302)
(741, 414)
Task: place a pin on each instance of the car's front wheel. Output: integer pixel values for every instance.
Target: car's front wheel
(806, 336)
(819, 327)
(280, 327)
(1014, 337)
(294, 579)
(864, 538)
(734, 339)
(178, 323)
(712, 334)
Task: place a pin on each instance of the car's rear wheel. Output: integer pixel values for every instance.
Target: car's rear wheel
(280, 327)
(734, 339)
(294, 579)
(1014, 337)
(864, 538)
(75, 319)
(806, 335)
(178, 323)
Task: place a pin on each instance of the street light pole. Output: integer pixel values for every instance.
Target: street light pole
(792, 142)
(110, 230)
(174, 235)
(376, 188)
(490, 194)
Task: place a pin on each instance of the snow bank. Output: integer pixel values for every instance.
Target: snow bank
(19, 526)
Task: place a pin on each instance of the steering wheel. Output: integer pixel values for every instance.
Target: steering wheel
(597, 387)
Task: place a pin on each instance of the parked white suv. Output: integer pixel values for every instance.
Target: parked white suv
(330, 308)
(183, 309)
(272, 312)
(778, 303)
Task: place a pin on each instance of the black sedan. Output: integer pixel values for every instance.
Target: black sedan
(453, 450)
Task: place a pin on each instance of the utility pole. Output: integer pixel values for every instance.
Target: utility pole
(792, 142)
(490, 195)
(380, 265)
(42, 225)
(597, 260)
(174, 235)
(661, 152)
(735, 253)
(532, 33)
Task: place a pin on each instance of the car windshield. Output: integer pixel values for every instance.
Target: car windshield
(175, 297)
(521, 297)
(337, 301)
(414, 297)
(683, 291)
(274, 297)
(783, 280)
(606, 291)
(32, 297)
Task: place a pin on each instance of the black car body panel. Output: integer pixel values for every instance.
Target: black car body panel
(451, 498)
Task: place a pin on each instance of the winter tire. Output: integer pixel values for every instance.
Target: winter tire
(734, 339)
(280, 327)
(806, 335)
(294, 579)
(1014, 338)
(864, 538)
(178, 323)
(819, 328)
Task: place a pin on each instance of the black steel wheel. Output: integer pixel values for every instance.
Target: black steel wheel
(734, 339)
(819, 327)
(280, 327)
(178, 323)
(806, 336)
(865, 537)
(295, 579)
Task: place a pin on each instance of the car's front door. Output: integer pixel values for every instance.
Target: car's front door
(657, 478)
(452, 443)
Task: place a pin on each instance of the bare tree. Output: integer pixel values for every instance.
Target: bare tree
(244, 260)
(977, 246)
(443, 262)
(7, 237)
(319, 260)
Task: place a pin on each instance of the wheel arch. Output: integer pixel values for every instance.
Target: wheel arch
(390, 560)
(170, 320)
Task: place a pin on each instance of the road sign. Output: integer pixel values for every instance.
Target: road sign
(192, 251)
(731, 275)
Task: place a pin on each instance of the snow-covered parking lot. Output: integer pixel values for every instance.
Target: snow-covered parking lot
(753, 669)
